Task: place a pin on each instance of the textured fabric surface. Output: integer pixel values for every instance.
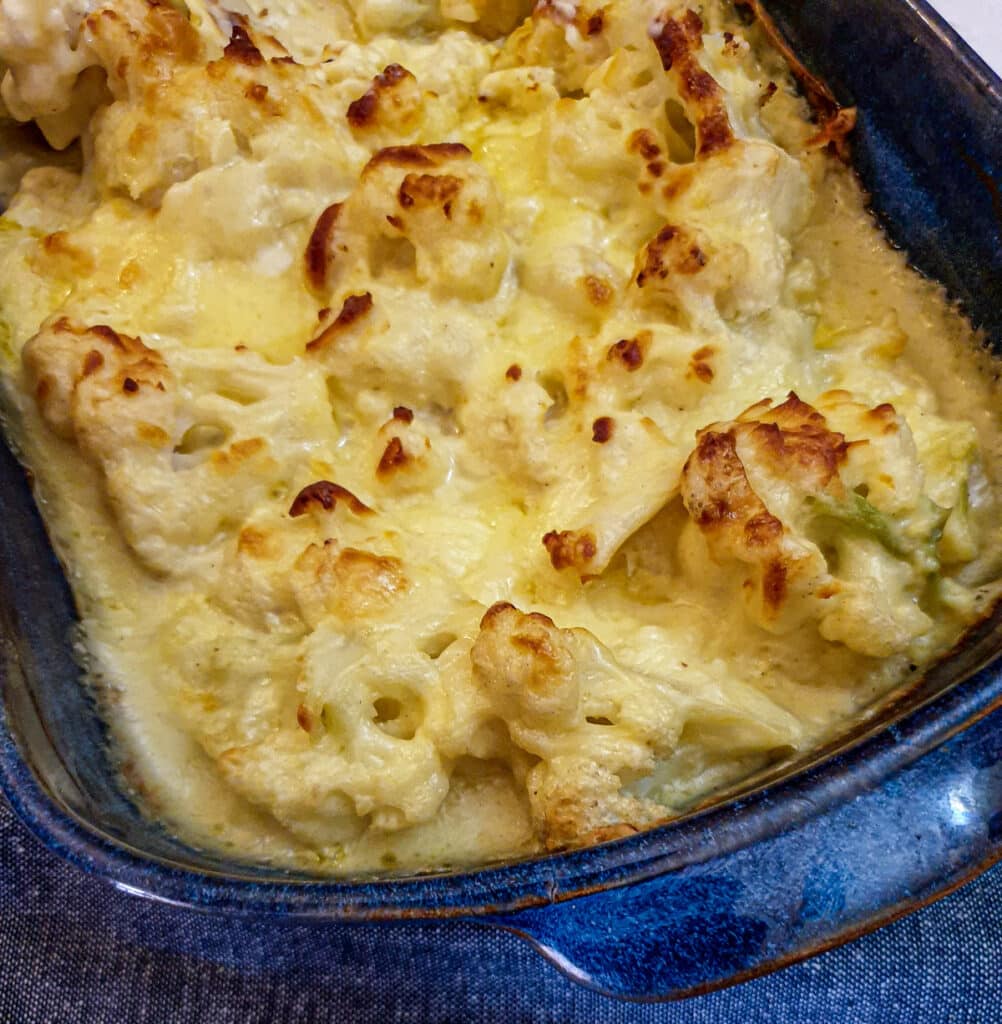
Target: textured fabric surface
(74, 950)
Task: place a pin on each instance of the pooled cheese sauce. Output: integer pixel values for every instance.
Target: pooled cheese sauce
(472, 428)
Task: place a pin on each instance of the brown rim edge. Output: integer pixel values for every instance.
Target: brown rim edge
(835, 122)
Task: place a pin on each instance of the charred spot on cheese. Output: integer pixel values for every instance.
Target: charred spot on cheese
(393, 459)
(602, 428)
(403, 414)
(645, 142)
(570, 549)
(629, 352)
(767, 93)
(318, 249)
(762, 529)
(363, 113)
(439, 190)
(304, 718)
(731, 44)
(432, 155)
(677, 42)
(241, 48)
(93, 362)
(774, 584)
(325, 495)
(674, 250)
(513, 373)
(599, 290)
(700, 365)
(354, 308)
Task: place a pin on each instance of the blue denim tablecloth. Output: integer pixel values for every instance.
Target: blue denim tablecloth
(74, 950)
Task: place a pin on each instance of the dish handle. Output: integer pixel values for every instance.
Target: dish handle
(892, 848)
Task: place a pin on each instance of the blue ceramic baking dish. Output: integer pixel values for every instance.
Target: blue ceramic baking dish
(894, 815)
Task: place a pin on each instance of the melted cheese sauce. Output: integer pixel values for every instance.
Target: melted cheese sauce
(408, 386)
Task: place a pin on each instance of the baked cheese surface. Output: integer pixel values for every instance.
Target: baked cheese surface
(472, 428)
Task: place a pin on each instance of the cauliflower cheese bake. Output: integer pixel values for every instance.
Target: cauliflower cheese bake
(471, 428)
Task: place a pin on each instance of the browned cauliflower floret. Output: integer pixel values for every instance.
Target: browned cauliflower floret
(164, 96)
(565, 704)
(89, 382)
(391, 105)
(350, 584)
(62, 59)
(327, 556)
(678, 40)
(561, 34)
(833, 524)
(140, 45)
(182, 464)
(590, 725)
(792, 440)
(174, 114)
(527, 667)
(406, 458)
(428, 214)
(694, 262)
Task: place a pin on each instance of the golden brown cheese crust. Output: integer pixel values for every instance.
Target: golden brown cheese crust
(794, 440)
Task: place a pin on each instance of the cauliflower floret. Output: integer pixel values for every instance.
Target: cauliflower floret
(423, 214)
(594, 478)
(41, 47)
(286, 572)
(835, 530)
(390, 107)
(337, 741)
(595, 725)
(395, 342)
(351, 584)
(693, 263)
(678, 41)
(565, 704)
(631, 470)
(405, 456)
(658, 368)
(183, 463)
(565, 35)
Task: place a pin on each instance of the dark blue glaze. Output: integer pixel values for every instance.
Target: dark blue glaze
(887, 822)
(928, 144)
(811, 884)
